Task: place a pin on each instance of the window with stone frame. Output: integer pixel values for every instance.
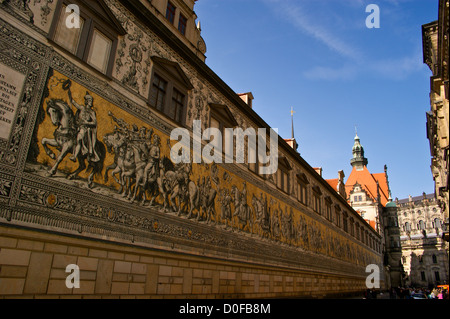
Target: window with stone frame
(94, 40)
(328, 204)
(316, 198)
(169, 90)
(253, 160)
(283, 173)
(302, 188)
(337, 215)
(345, 221)
(352, 226)
(222, 119)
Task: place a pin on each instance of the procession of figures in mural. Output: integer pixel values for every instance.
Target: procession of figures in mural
(142, 174)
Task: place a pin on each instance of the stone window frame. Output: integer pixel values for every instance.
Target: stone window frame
(317, 200)
(302, 184)
(283, 175)
(176, 80)
(222, 114)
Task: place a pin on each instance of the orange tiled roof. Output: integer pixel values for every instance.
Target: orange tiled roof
(333, 183)
(368, 182)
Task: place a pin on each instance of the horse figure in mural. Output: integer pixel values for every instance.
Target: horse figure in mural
(65, 140)
(241, 209)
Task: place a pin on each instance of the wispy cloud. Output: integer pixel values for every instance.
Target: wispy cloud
(302, 20)
(354, 61)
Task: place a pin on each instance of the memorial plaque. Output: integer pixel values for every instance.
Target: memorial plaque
(11, 84)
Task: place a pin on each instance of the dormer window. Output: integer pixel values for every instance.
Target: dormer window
(94, 39)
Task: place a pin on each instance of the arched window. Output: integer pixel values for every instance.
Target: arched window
(421, 225)
(437, 223)
(407, 227)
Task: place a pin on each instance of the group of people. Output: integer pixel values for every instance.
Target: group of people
(408, 293)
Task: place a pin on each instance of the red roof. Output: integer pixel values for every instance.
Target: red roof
(368, 182)
(333, 183)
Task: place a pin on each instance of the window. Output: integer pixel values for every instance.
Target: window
(158, 92)
(352, 226)
(95, 41)
(407, 227)
(68, 38)
(328, 207)
(437, 223)
(177, 105)
(222, 118)
(283, 180)
(302, 191)
(253, 160)
(337, 210)
(169, 89)
(421, 225)
(170, 12)
(316, 199)
(182, 24)
(434, 259)
(99, 51)
(422, 275)
(344, 222)
(437, 277)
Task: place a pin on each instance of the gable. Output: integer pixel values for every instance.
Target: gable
(100, 9)
(174, 70)
(221, 111)
(371, 183)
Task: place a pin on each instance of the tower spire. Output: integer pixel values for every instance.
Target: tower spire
(358, 160)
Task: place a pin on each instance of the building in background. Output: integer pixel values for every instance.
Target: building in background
(435, 39)
(424, 251)
(369, 194)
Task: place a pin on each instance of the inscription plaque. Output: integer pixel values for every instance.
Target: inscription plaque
(11, 84)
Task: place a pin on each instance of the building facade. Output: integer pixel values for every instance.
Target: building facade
(91, 93)
(370, 195)
(435, 39)
(424, 251)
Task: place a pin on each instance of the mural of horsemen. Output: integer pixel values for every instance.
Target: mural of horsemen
(86, 141)
(75, 134)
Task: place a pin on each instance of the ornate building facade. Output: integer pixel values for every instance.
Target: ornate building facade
(424, 251)
(370, 195)
(435, 38)
(91, 93)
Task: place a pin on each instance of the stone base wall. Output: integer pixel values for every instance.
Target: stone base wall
(33, 265)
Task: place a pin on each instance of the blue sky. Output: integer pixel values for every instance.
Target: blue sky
(319, 57)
